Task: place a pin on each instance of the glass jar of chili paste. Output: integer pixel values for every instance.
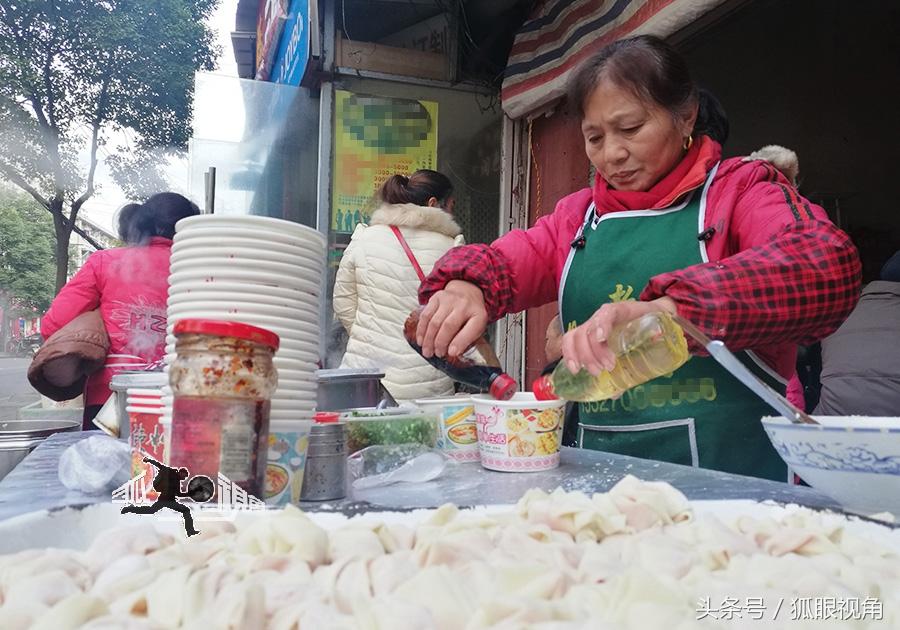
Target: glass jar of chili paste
(222, 380)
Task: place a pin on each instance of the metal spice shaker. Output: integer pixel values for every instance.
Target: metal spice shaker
(325, 475)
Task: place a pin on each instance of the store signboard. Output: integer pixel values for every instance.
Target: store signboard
(292, 57)
(374, 138)
(269, 24)
(431, 35)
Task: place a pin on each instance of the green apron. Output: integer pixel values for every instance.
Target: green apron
(698, 416)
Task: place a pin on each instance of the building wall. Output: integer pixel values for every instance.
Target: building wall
(468, 150)
(817, 76)
(559, 167)
(820, 77)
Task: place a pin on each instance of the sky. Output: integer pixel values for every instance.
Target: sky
(102, 208)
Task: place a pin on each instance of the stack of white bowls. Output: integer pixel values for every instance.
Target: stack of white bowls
(260, 271)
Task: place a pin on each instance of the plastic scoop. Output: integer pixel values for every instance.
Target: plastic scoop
(421, 468)
(731, 363)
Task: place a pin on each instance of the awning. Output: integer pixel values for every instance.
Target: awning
(562, 33)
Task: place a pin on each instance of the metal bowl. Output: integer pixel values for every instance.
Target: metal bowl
(20, 437)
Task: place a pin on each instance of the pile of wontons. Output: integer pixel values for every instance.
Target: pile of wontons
(635, 557)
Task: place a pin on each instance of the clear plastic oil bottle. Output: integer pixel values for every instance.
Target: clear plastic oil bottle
(645, 348)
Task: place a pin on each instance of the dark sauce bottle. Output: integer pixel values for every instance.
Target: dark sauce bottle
(463, 368)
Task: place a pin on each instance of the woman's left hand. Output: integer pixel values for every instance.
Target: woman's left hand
(585, 346)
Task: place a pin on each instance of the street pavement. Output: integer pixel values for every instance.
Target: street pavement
(15, 390)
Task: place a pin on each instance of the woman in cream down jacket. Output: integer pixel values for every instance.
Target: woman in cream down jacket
(377, 283)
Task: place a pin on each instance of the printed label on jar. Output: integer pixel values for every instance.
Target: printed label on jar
(237, 444)
(196, 436)
(211, 435)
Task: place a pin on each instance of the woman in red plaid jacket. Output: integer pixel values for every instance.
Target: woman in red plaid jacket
(668, 225)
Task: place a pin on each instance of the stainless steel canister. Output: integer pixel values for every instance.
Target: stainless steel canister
(325, 476)
(341, 389)
(119, 385)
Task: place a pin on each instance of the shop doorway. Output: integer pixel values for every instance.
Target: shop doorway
(816, 76)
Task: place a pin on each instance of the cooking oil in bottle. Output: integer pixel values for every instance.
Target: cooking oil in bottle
(645, 348)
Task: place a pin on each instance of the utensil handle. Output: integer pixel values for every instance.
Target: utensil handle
(727, 360)
(778, 402)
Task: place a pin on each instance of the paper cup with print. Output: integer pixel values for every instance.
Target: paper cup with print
(147, 438)
(522, 434)
(457, 435)
(286, 459)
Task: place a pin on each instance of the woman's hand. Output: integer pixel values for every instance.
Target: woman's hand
(553, 340)
(585, 346)
(453, 320)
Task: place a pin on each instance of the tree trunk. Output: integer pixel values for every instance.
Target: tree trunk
(4, 322)
(63, 232)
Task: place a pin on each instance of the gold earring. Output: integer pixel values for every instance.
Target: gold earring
(688, 142)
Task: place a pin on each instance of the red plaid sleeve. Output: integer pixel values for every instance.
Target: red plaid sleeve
(798, 287)
(479, 264)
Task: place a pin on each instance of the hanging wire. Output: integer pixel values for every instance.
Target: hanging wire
(467, 184)
(358, 52)
(467, 31)
(344, 22)
(537, 171)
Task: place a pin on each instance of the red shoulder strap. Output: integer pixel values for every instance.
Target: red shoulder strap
(409, 252)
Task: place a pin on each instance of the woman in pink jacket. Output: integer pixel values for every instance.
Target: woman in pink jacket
(129, 285)
(668, 225)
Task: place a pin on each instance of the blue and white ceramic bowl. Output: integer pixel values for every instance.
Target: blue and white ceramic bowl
(853, 459)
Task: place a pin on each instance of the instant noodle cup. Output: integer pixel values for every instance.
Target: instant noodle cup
(522, 434)
(285, 461)
(147, 438)
(144, 397)
(457, 434)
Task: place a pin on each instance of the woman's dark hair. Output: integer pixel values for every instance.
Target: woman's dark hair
(655, 72)
(158, 215)
(125, 219)
(418, 188)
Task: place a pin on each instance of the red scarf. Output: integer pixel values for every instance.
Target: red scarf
(687, 175)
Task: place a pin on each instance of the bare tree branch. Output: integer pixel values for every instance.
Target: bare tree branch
(16, 179)
(87, 237)
(49, 139)
(39, 113)
(95, 141)
(47, 121)
(48, 88)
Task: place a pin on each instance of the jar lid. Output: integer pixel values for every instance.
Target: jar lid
(325, 417)
(227, 329)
